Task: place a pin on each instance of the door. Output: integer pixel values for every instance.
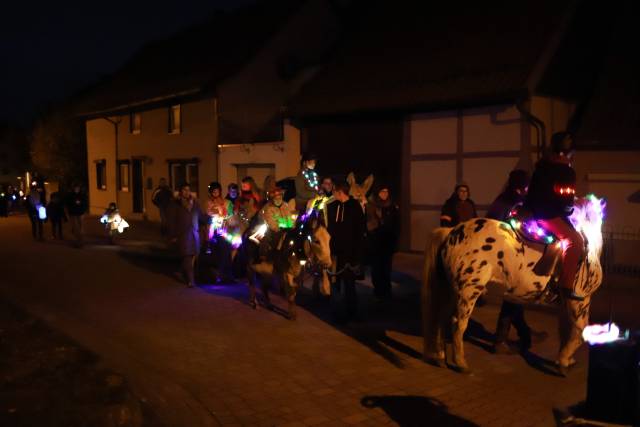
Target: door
(137, 185)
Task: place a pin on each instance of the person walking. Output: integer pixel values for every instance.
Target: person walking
(383, 223)
(346, 225)
(184, 218)
(219, 211)
(77, 205)
(56, 214)
(511, 313)
(36, 208)
(161, 197)
(458, 208)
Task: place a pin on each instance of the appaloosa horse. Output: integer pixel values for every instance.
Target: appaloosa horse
(460, 262)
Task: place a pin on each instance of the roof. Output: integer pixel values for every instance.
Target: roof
(191, 62)
(422, 55)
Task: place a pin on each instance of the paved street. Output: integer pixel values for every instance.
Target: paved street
(203, 357)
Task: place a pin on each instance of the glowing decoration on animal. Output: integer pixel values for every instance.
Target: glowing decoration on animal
(601, 334)
(465, 259)
(42, 212)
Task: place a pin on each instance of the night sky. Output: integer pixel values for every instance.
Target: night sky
(51, 49)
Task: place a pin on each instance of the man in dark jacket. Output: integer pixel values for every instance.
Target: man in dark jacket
(162, 197)
(56, 214)
(77, 205)
(510, 313)
(184, 218)
(346, 225)
(550, 198)
(458, 208)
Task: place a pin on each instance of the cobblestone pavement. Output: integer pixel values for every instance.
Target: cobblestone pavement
(203, 357)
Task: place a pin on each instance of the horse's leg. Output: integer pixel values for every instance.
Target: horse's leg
(465, 303)
(573, 319)
(432, 312)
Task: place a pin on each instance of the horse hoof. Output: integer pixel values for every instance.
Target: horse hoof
(437, 362)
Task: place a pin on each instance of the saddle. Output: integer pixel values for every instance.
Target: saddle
(538, 239)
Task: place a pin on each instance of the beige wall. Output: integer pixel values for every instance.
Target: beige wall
(155, 145)
(554, 113)
(101, 145)
(285, 155)
(614, 175)
(479, 146)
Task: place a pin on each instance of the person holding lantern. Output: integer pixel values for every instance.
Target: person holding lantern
(37, 210)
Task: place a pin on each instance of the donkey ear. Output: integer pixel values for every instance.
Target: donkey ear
(367, 184)
(351, 179)
(292, 205)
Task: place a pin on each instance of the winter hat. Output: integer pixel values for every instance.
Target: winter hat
(214, 185)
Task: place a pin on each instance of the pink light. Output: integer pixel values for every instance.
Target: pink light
(600, 334)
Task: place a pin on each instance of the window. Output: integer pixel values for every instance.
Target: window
(101, 174)
(123, 175)
(135, 122)
(181, 171)
(174, 119)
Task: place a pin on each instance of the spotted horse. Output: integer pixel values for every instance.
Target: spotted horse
(460, 262)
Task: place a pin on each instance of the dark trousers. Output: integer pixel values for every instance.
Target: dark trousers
(344, 299)
(222, 252)
(37, 226)
(381, 261)
(56, 228)
(513, 314)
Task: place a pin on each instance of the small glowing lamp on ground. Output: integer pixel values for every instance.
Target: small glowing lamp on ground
(601, 334)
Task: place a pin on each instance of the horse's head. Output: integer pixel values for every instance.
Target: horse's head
(587, 217)
(359, 191)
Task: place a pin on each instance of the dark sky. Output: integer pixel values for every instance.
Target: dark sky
(50, 49)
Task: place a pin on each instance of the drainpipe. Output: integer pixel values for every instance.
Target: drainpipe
(537, 124)
(115, 124)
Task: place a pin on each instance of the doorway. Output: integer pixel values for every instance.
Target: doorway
(258, 171)
(137, 185)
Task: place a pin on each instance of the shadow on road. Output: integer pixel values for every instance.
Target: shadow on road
(410, 411)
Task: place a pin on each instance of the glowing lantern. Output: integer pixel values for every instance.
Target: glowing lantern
(259, 233)
(42, 212)
(600, 334)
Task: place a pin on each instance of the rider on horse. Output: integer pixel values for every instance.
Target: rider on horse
(551, 198)
(278, 217)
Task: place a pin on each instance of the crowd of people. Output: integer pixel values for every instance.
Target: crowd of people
(57, 209)
(364, 230)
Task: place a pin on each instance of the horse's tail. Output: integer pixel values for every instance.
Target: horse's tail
(432, 285)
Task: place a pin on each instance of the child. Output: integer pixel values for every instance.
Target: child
(114, 223)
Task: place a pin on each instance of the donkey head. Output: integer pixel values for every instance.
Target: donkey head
(359, 191)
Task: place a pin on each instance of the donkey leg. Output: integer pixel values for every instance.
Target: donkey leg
(573, 320)
(251, 281)
(291, 291)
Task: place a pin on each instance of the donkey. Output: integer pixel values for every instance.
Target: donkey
(460, 262)
(359, 191)
(307, 242)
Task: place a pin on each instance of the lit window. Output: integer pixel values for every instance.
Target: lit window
(123, 176)
(101, 175)
(135, 122)
(174, 119)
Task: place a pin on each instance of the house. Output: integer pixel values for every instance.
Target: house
(428, 95)
(205, 105)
